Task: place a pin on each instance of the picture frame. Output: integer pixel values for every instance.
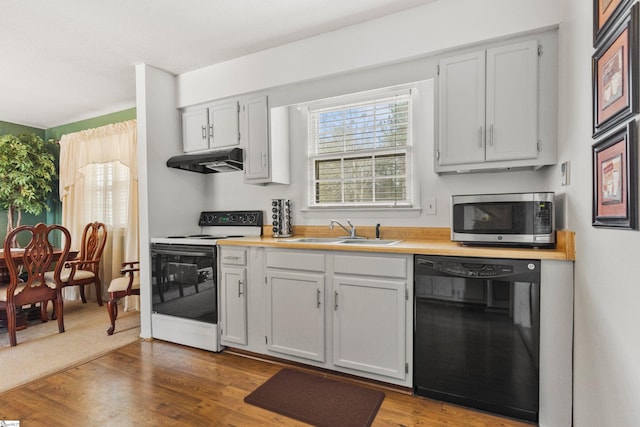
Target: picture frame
(615, 171)
(605, 15)
(614, 75)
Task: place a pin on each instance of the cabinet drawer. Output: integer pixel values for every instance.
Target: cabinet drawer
(307, 261)
(371, 266)
(233, 256)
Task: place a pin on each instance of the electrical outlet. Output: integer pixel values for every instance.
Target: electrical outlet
(564, 173)
(430, 208)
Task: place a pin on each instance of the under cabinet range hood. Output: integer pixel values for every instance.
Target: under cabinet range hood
(209, 162)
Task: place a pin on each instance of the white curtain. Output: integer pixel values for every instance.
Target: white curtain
(99, 182)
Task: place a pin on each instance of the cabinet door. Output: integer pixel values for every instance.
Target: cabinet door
(369, 325)
(462, 109)
(295, 313)
(256, 136)
(195, 135)
(233, 305)
(512, 102)
(224, 124)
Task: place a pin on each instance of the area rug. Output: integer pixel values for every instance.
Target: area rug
(41, 350)
(317, 400)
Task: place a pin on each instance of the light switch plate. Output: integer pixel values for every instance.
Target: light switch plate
(430, 206)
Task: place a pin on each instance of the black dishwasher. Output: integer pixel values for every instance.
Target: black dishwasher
(477, 333)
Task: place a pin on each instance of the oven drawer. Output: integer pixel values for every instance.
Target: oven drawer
(233, 256)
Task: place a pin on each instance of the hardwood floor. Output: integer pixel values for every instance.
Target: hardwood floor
(154, 383)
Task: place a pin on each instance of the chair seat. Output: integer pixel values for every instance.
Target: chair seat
(120, 284)
(66, 274)
(19, 288)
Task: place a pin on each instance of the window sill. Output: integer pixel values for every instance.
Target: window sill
(319, 209)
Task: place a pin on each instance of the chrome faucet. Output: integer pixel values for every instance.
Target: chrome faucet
(351, 230)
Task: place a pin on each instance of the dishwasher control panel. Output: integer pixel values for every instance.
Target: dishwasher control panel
(474, 270)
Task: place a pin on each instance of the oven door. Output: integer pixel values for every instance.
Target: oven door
(184, 281)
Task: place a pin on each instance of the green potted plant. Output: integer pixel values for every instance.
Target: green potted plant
(27, 173)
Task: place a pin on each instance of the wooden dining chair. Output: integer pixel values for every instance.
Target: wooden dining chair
(27, 266)
(85, 268)
(124, 286)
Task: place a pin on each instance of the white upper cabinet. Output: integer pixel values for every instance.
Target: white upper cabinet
(512, 102)
(488, 115)
(462, 109)
(211, 126)
(224, 123)
(255, 131)
(195, 130)
(265, 136)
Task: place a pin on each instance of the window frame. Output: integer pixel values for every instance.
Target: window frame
(408, 90)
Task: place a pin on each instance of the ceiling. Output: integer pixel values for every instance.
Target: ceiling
(68, 60)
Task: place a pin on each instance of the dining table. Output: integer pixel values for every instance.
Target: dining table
(22, 315)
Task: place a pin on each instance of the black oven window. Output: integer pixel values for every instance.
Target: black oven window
(184, 284)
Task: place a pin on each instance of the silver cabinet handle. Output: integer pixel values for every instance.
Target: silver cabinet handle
(204, 132)
(239, 288)
(318, 298)
(211, 130)
(231, 258)
(480, 137)
(335, 301)
(491, 135)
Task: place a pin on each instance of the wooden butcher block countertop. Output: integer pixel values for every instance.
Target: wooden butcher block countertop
(414, 240)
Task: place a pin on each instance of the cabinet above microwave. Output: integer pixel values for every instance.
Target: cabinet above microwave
(497, 106)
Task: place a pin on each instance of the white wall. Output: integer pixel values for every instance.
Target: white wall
(169, 201)
(607, 291)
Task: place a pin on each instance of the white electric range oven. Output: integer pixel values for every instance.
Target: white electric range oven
(185, 277)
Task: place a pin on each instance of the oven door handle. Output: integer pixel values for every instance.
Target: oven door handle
(178, 253)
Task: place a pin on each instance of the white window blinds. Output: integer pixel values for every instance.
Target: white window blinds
(359, 152)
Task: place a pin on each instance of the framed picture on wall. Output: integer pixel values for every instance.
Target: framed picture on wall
(615, 202)
(605, 14)
(614, 72)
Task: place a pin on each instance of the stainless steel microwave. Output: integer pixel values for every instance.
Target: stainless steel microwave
(513, 219)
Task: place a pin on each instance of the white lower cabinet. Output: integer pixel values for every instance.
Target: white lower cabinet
(296, 314)
(347, 312)
(233, 296)
(369, 325)
(372, 314)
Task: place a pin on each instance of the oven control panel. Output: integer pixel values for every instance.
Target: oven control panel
(236, 218)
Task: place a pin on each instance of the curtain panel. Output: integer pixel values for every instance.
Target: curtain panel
(99, 182)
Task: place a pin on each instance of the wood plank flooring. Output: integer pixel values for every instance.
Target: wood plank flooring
(154, 383)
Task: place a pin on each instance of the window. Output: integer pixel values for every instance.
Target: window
(107, 194)
(360, 151)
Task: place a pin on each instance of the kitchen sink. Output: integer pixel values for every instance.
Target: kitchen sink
(314, 240)
(342, 241)
(367, 242)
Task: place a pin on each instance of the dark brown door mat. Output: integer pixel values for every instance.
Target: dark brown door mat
(317, 400)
